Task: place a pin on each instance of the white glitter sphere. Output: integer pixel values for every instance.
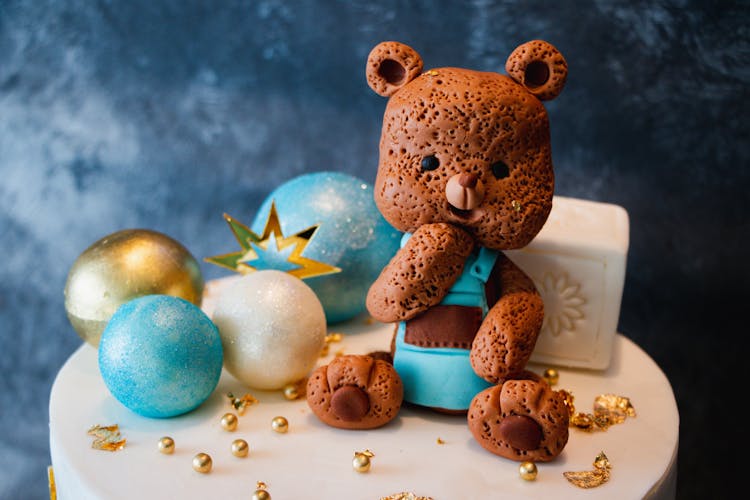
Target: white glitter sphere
(272, 328)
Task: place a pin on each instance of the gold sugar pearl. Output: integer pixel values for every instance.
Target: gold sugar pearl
(260, 492)
(240, 448)
(261, 495)
(551, 376)
(291, 392)
(527, 471)
(361, 461)
(166, 445)
(229, 422)
(202, 463)
(280, 425)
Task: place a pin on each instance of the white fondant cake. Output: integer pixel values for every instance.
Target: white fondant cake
(577, 263)
(421, 452)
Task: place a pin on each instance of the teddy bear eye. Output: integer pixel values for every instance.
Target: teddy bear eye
(430, 163)
(500, 170)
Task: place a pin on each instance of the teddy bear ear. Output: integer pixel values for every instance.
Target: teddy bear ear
(540, 67)
(390, 66)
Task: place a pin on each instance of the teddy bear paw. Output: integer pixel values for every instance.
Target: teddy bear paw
(520, 420)
(355, 392)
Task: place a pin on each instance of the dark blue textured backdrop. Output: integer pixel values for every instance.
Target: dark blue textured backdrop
(166, 114)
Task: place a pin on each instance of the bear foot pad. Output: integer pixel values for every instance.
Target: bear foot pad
(520, 420)
(355, 392)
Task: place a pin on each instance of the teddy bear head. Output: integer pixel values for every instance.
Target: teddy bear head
(466, 147)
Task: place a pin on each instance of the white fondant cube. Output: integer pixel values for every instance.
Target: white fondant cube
(577, 262)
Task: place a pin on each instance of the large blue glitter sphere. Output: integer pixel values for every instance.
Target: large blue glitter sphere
(160, 356)
(352, 235)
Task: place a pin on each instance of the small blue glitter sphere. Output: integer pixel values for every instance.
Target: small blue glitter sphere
(352, 235)
(160, 356)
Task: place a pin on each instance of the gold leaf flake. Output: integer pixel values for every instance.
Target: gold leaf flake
(602, 462)
(568, 400)
(334, 337)
(107, 438)
(609, 409)
(591, 478)
(243, 403)
(616, 408)
(330, 339)
(587, 479)
(324, 351)
(405, 496)
(602, 421)
(584, 421)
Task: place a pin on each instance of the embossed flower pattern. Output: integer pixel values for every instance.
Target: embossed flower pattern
(563, 303)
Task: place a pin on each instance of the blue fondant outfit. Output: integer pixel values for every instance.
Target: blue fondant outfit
(443, 377)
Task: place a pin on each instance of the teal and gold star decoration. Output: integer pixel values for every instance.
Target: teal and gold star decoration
(271, 250)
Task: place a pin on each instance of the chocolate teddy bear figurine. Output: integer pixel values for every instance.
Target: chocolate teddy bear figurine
(465, 172)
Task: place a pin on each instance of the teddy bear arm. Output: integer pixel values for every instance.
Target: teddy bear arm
(420, 274)
(507, 336)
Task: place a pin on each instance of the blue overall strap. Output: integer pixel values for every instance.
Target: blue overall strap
(482, 267)
(468, 290)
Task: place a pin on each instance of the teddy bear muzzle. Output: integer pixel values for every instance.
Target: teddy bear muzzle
(464, 191)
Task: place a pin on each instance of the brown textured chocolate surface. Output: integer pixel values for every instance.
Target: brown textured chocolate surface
(470, 122)
(526, 398)
(508, 334)
(539, 67)
(390, 66)
(420, 274)
(465, 162)
(375, 378)
(382, 356)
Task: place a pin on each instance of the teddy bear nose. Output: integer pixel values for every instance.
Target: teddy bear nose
(464, 191)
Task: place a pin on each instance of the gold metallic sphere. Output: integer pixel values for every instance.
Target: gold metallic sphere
(527, 471)
(240, 448)
(261, 495)
(121, 267)
(166, 445)
(361, 462)
(229, 422)
(551, 376)
(202, 463)
(280, 425)
(291, 392)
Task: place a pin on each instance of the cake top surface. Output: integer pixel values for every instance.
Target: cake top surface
(421, 452)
